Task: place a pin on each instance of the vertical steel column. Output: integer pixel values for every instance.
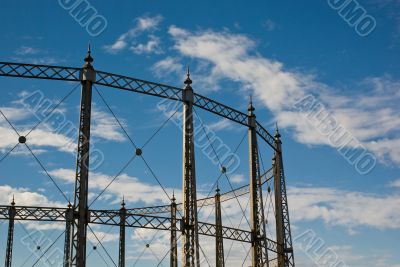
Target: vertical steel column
(174, 245)
(258, 247)
(283, 232)
(79, 233)
(69, 220)
(10, 237)
(190, 224)
(219, 240)
(122, 218)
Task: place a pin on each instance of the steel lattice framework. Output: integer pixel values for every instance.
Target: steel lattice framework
(78, 215)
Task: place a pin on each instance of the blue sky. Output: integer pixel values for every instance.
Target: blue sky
(283, 54)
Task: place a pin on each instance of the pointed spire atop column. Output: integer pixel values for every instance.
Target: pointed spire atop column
(173, 196)
(13, 201)
(251, 109)
(277, 134)
(217, 189)
(88, 59)
(188, 81)
(123, 202)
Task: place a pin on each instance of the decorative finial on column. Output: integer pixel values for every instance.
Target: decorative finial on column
(88, 59)
(123, 202)
(69, 203)
(13, 201)
(188, 81)
(277, 134)
(173, 196)
(251, 109)
(217, 190)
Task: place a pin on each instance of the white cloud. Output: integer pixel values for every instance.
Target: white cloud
(43, 226)
(25, 197)
(344, 208)
(142, 24)
(269, 24)
(231, 58)
(395, 183)
(104, 126)
(14, 113)
(104, 237)
(152, 46)
(223, 124)
(369, 115)
(131, 188)
(237, 178)
(40, 137)
(46, 136)
(146, 23)
(44, 60)
(322, 253)
(26, 50)
(168, 66)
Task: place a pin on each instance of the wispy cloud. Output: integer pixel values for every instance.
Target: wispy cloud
(223, 124)
(395, 183)
(34, 55)
(25, 197)
(26, 50)
(133, 189)
(350, 209)
(104, 126)
(237, 178)
(46, 136)
(269, 25)
(152, 46)
(370, 114)
(168, 66)
(142, 24)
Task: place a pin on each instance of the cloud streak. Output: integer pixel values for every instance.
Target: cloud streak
(142, 24)
(370, 114)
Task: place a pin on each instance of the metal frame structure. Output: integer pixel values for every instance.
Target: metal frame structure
(78, 215)
(219, 240)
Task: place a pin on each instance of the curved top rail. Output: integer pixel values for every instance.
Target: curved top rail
(50, 72)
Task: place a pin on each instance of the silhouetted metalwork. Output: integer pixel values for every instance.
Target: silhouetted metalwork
(191, 253)
(10, 235)
(219, 240)
(208, 201)
(122, 215)
(283, 233)
(174, 242)
(259, 253)
(134, 85)
(112, 218)
(69, 220)
(77, 215)
(79, 227)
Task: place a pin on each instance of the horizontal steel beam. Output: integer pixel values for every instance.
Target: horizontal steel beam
(130, 84)
(25, 213)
